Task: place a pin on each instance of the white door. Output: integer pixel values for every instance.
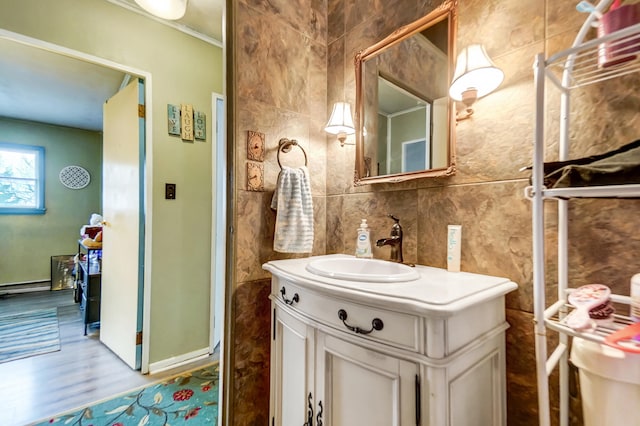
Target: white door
(358, 386)
(122, 260)
(292, 370)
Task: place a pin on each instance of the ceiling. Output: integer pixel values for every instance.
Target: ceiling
(202, 16)
(38, 85)
(393, 99)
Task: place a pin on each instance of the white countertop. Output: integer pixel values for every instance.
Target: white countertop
(437, 291)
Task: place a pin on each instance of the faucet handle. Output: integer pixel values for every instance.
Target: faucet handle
(394, 218)
(396, 229)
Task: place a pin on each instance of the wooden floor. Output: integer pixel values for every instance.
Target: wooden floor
(83, 371)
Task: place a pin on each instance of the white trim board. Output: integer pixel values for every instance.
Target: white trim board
(178, 361)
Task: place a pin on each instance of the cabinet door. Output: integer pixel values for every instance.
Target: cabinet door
(292, 367)
(476, 388)
(359, 386)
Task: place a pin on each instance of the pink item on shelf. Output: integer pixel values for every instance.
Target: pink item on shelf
(584, 299)
(620, 51)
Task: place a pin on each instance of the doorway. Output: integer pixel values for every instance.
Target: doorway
(182, 226)
(76, 58)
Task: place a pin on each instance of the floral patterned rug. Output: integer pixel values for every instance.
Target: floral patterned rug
(190, 398)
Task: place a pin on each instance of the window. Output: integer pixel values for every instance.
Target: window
(21, 179)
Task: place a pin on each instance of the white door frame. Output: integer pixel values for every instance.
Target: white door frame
(148, 172)
(219, 217)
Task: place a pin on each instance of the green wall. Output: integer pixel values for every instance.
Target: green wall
(184, 70)
(29, 241)
(405, 127)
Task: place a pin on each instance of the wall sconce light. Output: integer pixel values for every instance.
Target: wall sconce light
(341, 123)
(165, 9)
(475, 76)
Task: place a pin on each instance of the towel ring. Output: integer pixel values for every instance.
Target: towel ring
(285, 145)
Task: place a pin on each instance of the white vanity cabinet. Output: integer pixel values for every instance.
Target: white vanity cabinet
(424, 352)
(316, 377)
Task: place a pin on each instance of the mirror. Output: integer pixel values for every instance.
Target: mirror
(404, 116)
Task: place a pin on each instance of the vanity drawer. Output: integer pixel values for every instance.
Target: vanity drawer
(395, 328)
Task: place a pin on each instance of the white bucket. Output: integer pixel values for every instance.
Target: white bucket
(609, 383)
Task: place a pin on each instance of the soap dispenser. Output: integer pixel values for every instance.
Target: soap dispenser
(363, 243)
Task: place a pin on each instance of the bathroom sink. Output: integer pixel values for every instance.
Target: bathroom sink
(367, 270)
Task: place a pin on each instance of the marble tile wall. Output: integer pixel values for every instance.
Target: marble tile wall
(294, 59)
(280, 80)
(486, 194)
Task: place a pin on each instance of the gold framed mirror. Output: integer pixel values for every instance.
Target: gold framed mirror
(404, 117)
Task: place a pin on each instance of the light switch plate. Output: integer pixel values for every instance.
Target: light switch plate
(170, 191)
(255, 146)
(255, 176)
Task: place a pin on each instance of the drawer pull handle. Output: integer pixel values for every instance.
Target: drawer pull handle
(376, 323)
(294, 299)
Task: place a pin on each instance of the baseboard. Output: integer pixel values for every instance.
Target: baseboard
(25, 287)
(178, 361)
(44, 280)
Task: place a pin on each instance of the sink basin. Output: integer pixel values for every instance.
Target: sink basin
(367, 270)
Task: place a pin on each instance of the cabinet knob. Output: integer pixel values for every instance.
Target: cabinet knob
(376, 323)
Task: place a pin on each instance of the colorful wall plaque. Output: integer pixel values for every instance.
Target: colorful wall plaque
(173, 120)
(186, 116)
(200, 125)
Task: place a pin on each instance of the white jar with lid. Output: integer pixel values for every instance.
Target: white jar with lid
(635, 297)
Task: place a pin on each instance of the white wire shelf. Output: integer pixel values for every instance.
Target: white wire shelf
(600, 59)
(609, 191)
(586, 63)
(599, 334)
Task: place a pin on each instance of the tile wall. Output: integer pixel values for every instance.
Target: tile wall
(280, 90)
(294, 59)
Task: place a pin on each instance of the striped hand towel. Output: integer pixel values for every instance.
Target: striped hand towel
(294, 211)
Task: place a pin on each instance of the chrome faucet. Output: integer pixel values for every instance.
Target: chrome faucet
(395, 241)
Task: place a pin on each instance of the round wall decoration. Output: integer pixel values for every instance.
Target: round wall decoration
(74, 177)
